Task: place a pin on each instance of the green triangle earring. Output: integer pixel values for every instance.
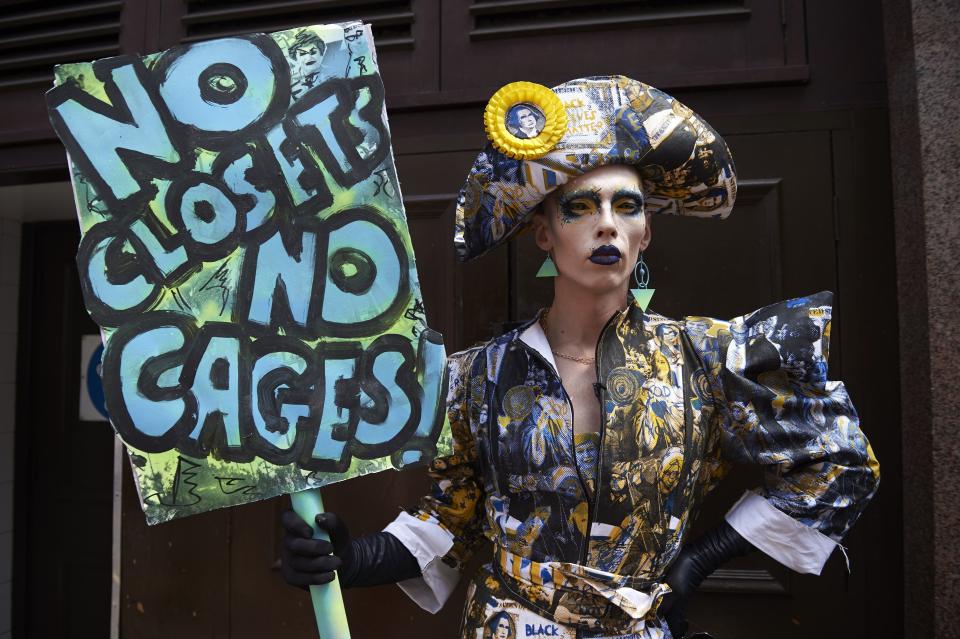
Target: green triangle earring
(641, 276)
(548, 268)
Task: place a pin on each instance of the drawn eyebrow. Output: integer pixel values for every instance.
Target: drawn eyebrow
(591, 194)
(627, 192)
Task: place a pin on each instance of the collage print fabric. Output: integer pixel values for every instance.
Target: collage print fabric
(682, 402)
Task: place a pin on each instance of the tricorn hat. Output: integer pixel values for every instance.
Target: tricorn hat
(540, 138)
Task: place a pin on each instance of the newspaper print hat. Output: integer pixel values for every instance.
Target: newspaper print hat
(541, 138)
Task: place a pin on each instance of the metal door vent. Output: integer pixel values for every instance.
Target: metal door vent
(391, 20)
(35, 35)
(513, 18)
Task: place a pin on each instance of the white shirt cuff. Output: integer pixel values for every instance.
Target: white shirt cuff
(793, 544)
(428, 542)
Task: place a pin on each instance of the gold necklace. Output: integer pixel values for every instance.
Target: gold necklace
(582, 360)
(588, 361)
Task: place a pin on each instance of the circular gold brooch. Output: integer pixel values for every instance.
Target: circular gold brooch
(525, 120)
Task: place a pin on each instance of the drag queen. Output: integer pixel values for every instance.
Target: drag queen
(586, 439)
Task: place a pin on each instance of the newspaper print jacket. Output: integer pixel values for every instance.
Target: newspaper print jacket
(681, 402)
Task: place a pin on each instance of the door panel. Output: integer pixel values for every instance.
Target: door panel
(550, 41)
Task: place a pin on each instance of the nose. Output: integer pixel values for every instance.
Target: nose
(606, 224)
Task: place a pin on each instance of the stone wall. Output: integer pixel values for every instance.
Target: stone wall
(923, 61)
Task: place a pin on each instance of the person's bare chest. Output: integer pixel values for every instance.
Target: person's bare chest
(578, 380)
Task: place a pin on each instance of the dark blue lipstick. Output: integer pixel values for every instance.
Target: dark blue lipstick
(606, 255)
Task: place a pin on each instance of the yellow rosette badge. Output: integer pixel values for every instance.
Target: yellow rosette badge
(525, 120)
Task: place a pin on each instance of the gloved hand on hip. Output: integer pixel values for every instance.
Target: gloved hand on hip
(696, 561)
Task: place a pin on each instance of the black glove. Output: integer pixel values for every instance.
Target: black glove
(370, 560)
(696, 561)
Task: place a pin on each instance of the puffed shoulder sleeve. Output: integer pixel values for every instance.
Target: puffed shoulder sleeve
(780, 411)
(445, 529)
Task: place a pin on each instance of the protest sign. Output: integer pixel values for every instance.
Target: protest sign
(245, 252)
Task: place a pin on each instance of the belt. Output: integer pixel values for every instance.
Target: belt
(585, 584)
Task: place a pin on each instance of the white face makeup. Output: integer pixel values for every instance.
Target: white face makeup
(595, 226)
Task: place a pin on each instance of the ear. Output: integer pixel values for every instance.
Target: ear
(541, 229)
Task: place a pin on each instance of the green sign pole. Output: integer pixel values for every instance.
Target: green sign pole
(327, 599)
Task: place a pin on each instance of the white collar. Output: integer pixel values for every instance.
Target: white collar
(534, 337)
